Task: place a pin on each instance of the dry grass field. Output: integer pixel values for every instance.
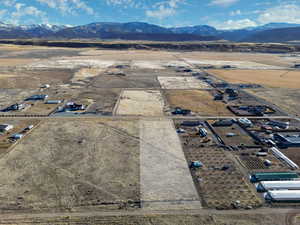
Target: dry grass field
(200, 102)
(70, 164)
(269, 78)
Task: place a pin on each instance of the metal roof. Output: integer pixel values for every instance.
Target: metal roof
(285, 194)
(276, 185)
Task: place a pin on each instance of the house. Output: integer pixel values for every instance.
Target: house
(72, 106)
(279, 124)
(37, 98)
(5, 127)
(14, 107)
(16, 137)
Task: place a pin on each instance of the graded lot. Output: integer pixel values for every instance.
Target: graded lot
(166, 182)
(182, 83)
(140, 102)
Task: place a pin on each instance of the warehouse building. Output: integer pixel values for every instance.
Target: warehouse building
(273, 176)
(265, 186)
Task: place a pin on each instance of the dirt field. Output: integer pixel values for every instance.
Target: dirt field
(240, 138)
(139, 102)
(200, 102)
(219, 189)
(63, 165)
(267, 59)
(229, 219)
(166, 182)
(23, 78)
(181, 83)
(269, 78)
(286, 99)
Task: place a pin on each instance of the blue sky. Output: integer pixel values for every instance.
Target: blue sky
(223, 14)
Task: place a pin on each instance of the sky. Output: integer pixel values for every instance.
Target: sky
(222, 14)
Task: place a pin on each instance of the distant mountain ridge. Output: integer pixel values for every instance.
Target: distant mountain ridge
(145, 31)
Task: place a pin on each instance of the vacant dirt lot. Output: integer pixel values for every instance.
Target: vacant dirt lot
(269, 78)
(285, 98)
(69, 164)
(181, 83)
(200, 102)
(141, 102)
(165, 178)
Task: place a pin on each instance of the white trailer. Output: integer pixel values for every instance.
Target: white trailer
(265, 186)
(283, 196)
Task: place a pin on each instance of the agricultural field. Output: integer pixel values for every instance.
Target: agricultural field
(268, 78)
(200, 102)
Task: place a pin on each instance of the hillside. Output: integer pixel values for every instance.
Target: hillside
(275, 35)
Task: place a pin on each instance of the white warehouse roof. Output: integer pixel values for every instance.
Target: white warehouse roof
(283, 195)
(278, 185)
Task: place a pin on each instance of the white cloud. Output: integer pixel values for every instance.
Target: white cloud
(68, 6)
(285, 13)
(25, 12)
(233, 24)
(223, 3)
(164, 9)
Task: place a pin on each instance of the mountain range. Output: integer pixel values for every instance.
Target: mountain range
(272, 32)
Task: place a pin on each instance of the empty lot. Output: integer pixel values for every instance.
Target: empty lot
(140, 102)
(269, 78)
(165, 178)
(182, 83)
(69, 164)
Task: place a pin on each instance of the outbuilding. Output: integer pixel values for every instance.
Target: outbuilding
(5, 127)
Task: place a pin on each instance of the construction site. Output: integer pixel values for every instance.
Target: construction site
(92, 136)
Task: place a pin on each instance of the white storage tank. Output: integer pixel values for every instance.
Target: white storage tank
(264, 186)
(283, 196)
